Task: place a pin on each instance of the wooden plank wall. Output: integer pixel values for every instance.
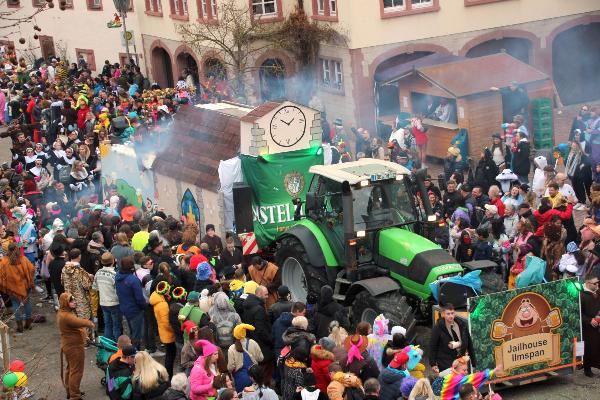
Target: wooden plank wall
(483, 117)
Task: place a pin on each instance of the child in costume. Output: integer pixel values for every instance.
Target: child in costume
(378, 339)
(448, 384)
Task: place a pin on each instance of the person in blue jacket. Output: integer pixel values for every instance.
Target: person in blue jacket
(131, 299)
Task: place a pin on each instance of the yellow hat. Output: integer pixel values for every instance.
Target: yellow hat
(250, 287)
(454, 151)
(239, 332)
(236, 285)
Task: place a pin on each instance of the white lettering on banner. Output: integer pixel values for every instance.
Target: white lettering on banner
(274, 214)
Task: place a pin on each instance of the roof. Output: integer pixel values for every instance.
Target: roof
(478, 75)
(200, 138)
(260, 111)
(360, 170)
(399, 71)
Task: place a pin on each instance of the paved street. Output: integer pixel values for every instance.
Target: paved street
(40, 350)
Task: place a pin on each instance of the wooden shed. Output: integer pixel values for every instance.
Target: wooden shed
(466, 85)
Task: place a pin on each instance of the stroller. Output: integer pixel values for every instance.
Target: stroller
(105, 348)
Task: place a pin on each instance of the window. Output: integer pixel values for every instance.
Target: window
(94, 5)
(207, 9)
(179, 9)
(397, 8)
(477, 2)
(421, 3)
(264, 7)
(39, 3)
(13, 3)
(332, 76)
(393, 5)
(154, 7)
(325, 10)
(88, 57)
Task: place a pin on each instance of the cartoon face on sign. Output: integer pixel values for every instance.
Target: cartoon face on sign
(527, 314)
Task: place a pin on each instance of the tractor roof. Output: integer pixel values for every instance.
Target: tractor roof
(357, 171)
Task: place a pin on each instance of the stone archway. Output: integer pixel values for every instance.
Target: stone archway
(185, 60)
(162, 67)
(272, 75)
(575, 60)
(519, 48)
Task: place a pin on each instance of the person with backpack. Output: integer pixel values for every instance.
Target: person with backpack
(192, 312)
(225, 319)
(118, 375)
(241, 355)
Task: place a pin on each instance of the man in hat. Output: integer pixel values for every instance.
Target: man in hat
(192, 312)
(119, 375)
(106, 294)
(265, 273)
(214, 242)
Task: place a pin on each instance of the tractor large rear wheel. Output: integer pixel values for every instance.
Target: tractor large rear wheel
(392, 305)
(297, 273)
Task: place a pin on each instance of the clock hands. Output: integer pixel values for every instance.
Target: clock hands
(287, 123)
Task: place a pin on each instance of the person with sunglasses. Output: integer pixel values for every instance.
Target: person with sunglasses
(590, 320)
(72, 342)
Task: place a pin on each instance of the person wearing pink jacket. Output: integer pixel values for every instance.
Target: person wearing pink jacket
(204, 371)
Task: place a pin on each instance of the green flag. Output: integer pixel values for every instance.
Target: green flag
(276, 179)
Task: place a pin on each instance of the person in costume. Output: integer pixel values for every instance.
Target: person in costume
(378, 339)
(449, 383)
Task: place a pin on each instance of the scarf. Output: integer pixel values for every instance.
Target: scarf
(79, 175)
(354, 351)
(573, 161)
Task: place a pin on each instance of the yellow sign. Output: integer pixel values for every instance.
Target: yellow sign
(128, 36)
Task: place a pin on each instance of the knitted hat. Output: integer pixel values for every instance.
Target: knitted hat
(400, 359)
(187, 326)
(326, 343)
(239, 332)
(208, 348)
(179, 293)
(107, 258)
(193, 297)
(163, 287)
(398, 329)
(572, 247)
(236, 285)
(250, 287)
(203, 272)
(195, 260)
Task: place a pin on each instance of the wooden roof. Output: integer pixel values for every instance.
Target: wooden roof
(477, 75)
(199, 139)
(260, 111)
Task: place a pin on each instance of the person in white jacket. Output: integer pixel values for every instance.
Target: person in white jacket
(539, 179)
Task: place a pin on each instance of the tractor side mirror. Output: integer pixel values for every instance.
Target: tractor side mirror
(311, 202)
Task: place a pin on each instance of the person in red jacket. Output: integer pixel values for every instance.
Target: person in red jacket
(82, 111)
(322, 356)
(494, 195)
(545, 212)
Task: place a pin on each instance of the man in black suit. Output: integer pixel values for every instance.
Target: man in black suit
(450, 339)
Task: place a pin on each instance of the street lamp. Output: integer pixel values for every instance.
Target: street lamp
(122, 7)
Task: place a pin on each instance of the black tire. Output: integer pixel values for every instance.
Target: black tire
(314, 276)
(392, 305)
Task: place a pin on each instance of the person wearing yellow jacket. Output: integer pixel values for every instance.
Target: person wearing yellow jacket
(159, 300)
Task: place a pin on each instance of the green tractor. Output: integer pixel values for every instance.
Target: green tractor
(361, 235)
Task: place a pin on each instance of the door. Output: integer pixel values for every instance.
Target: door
(47, 47)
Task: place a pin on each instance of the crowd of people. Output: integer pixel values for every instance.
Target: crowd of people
(190, 316)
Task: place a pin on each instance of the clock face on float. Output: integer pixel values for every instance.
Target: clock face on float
(288, 126)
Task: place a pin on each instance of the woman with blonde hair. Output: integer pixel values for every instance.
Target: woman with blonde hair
(150, 379)
(338, 334)
(80, 179)
(121, 248)
(422, 390)
(90, 161)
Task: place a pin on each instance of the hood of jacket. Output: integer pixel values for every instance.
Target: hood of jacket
(221, 302)
(391, 375)
(122, 276)
(63, 302)
(71, 267)
(347, 379)
(156, 298)
(540, 162)
(319, 353)
(292, 334)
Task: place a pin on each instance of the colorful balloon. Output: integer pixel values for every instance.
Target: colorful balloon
(21, 379)
(9, 380)
(16, 366)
